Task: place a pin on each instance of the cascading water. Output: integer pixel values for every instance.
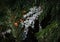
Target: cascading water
(30, 19)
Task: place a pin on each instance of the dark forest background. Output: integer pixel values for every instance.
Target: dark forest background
(12, 10)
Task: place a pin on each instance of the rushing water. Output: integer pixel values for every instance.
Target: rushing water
(30, 19)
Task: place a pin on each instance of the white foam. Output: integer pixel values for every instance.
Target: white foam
(30, 19)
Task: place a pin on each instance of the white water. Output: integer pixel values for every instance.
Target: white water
(30, 17)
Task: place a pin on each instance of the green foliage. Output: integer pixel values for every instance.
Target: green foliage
(51, 32)
(13, 8)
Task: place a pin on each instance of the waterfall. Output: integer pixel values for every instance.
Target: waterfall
(30, 18)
